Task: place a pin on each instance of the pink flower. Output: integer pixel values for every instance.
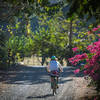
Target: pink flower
(77, 56)
(93, 50)
(87, 60)
(94, 29)
(86, 72)
(77, 71)
(96, 43)
(71, 59)
(86, 66)
(83, 56)
(98, 26)
(92, 62)
(89, 47)
(75, 49)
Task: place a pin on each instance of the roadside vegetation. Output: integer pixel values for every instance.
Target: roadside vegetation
(66, 29)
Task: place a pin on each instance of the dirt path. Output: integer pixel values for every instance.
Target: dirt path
(33, 83)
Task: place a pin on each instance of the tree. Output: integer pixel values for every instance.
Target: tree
(11, 8)
(3, 49)
(87, 8)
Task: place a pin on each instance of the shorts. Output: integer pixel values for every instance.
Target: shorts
(54, 73)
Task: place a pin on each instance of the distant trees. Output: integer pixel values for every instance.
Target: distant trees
(11, 8)
(56, 33)
(89, 8)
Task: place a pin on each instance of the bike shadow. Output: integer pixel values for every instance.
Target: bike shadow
(61, 81)
(41, 96)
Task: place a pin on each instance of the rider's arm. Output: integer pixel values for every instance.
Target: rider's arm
(61, 69)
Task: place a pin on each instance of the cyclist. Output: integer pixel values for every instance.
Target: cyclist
(54, 68)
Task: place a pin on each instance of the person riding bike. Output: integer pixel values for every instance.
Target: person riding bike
(54, 68)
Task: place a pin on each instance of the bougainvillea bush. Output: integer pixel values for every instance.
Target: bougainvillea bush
(89, 62)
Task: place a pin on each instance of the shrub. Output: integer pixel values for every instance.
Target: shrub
(89, 62)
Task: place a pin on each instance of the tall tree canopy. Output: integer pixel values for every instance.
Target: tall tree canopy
(87, 8)
(90, 8)
(10, 8)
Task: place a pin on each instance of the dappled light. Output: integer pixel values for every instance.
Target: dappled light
(31, 75)
(41, 40)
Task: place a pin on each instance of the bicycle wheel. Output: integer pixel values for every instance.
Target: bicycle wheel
(54, 83)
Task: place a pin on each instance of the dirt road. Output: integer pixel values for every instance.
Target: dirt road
(33, 83)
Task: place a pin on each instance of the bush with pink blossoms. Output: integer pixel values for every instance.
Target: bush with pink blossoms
(91, 67)
(75, 49)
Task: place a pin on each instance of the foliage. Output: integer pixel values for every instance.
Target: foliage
(14, 46)
(89, 61)
(19, 46)
(3, 50)
(56, 33)
(51, 37)
(87, 8)
(11, 8)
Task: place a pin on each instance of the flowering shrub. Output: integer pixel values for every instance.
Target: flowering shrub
(75, 49)
(91, 66)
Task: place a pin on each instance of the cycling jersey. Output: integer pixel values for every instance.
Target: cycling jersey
(54, 65)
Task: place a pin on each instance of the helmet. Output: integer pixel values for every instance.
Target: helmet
(53, 57)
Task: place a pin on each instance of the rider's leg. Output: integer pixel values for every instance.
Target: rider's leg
(57, 82)
(57, 79)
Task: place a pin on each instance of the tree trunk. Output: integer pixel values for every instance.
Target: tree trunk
(70, 42)
(70, 38)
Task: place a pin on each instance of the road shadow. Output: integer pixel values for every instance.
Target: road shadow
(41, 96)
(24, 75)
(69, 71)
(31, 75)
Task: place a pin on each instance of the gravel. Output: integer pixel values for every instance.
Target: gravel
(33, 83)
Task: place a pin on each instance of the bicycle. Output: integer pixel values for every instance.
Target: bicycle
(54, 85)
(54, 81)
